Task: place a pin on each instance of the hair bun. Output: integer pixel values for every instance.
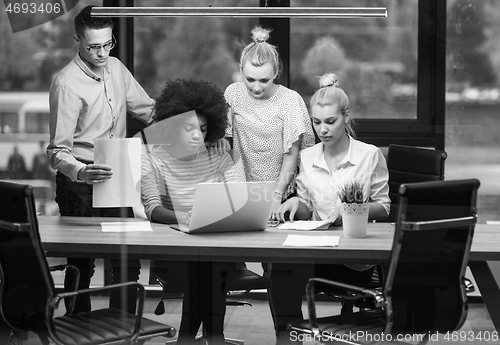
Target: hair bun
(328, 79)
(260, 34)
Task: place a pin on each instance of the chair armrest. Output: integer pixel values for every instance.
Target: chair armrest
(439, 223)
(311, 305)
(76, 281)
(54, 303)
(58, 267)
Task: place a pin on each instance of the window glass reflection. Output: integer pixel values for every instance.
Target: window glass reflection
(189, 47)
(473, 98)
(374, 58)
(28, 60)
(37, 122)
(8, 123)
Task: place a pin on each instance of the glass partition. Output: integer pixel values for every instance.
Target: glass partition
(28, 60)
(473, 98)
(376, 60)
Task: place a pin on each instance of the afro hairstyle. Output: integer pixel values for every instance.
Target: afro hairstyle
(183, 95)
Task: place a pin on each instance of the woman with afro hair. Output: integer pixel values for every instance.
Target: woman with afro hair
(189, 115)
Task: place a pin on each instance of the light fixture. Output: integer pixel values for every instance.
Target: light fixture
(261, 12)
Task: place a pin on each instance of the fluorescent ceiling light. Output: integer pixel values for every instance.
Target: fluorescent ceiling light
(261, 12)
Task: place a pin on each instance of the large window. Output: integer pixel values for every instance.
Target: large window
(473, 98)
(381, 62)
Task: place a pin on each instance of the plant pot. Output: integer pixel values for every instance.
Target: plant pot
(355, 219)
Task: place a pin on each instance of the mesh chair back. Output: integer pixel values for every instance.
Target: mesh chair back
(408, 164)
(26, 283)
(425, 288)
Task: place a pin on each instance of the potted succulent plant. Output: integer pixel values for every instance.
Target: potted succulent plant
(355, 208)
(352, 193)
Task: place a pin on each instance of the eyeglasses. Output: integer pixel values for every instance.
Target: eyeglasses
(96, 48)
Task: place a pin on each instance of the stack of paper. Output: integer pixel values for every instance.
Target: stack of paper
(126, 226)
(305, 225)
(311, 241)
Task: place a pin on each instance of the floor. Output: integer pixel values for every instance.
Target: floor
(254, 325)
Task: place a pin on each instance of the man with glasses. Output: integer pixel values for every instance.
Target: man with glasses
(89, 99)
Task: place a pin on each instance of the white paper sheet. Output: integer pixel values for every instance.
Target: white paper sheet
(123, 189)
(125, 226)
(311, 241)
(305, 225)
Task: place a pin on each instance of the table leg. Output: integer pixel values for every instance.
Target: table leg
(489, 289)
(204, 302)
(216, 273)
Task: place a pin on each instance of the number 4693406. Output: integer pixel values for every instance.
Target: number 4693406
(24, 7)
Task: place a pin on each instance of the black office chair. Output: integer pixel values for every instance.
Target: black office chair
(28, 299)
(408, 164)
(424, 291)
(240, 282)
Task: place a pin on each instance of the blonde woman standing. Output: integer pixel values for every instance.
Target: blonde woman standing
(268, 123)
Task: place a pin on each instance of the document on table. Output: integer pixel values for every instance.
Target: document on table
(305, 225)
(311, 241)
(126, 226)
(123, 189)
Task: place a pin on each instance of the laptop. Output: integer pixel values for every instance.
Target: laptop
(230, 207)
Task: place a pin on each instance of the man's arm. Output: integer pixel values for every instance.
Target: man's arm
(139, 104)
(64, 114)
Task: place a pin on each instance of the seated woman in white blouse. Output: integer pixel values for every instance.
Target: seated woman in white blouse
(324, 169)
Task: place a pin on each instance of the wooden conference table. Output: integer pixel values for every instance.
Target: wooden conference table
(83, 237)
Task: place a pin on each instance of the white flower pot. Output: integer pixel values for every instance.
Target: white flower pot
(355, 219)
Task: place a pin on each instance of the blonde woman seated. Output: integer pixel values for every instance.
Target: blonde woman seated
(324, 169)
(191, 113)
